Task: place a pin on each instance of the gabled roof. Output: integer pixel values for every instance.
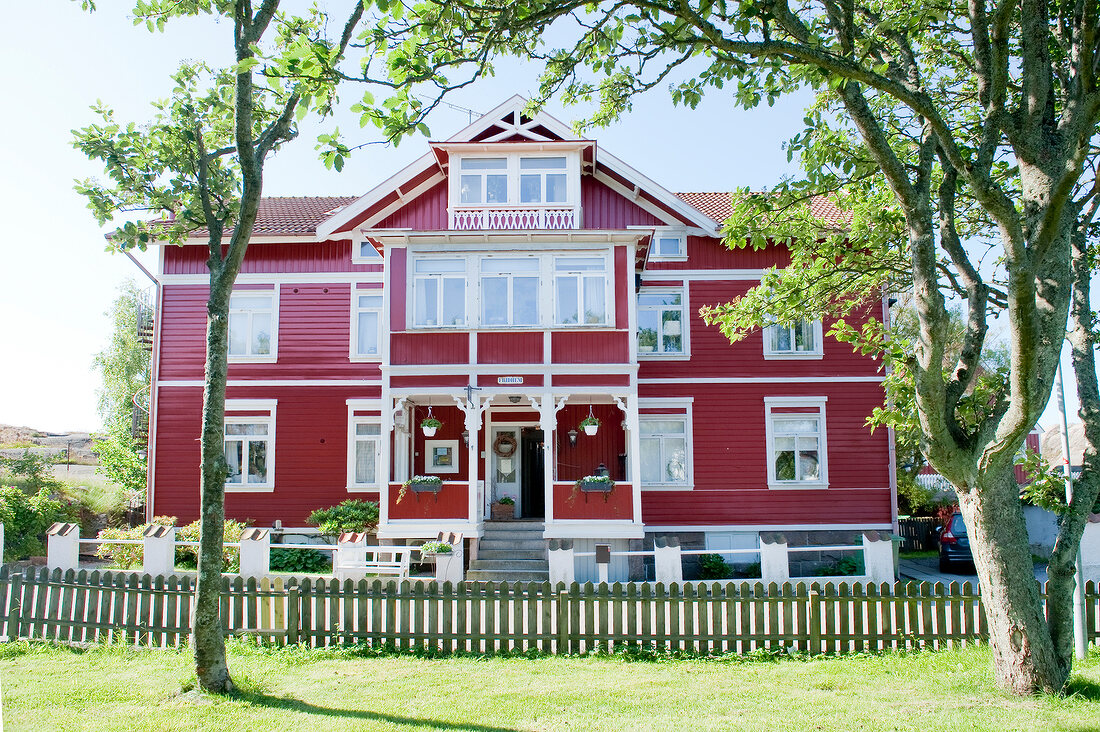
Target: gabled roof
(508, 122)
(290, 215)
(718, 205)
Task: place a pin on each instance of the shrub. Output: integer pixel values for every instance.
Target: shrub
(747, 571)
(713, 566)
(26, 519)
(129, 556)
(301, 561)
(846, 567)
(33, 472)
(351, 515)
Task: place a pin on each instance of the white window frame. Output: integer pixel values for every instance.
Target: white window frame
(658, 234)
(571, 170)
(415, 278)
(819, 344)
(685, 323)
(353, 440)
(383, 331)
(678, 410)
(357, 254)
(817, 403)
(608, 290)
(539, 273)
(252, 405)
(273, 355)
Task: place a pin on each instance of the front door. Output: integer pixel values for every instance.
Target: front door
(533, 479)
(505, 470)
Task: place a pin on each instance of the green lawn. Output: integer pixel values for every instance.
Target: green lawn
(109, 688)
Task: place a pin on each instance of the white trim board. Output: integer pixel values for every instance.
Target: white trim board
(262, 278)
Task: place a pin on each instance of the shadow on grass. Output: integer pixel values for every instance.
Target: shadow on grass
(295, 705)
(1080, 688)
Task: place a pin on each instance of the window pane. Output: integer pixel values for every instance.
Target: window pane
(567, 300)
(555, 188)
(439, 266)
(494, 300)
(595, 305)
(496, 189)
(578, 264)
(784, 465)
(557, 163)
(494, 265)
(804, 336)
(671, 328)
(796, 426)
(370, 301)
(367, 251)
(238, 334)
(427, 298)
(245, 429)
(650, 450)
(781, 338)
(675, 449)
(808, 465)
(662, 427)
(668, 246)
(368, 333)
(368, 429)
(530, 189)
(525, 301)
(647, 331)
(454, 301)
(250, 302)
(470, 189)
(365, 454)
(257, 462)
(233, 449)
(484, 163)
(261, 333)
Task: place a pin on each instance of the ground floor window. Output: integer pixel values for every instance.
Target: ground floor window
(364, 449)
(249, 447)
(663, 441)
(796, 442)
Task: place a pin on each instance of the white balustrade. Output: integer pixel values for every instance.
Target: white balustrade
(487, 219)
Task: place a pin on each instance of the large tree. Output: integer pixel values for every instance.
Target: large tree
(950, 131)
(201, 160)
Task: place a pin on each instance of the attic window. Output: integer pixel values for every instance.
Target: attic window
(484, 180)
(367, 254)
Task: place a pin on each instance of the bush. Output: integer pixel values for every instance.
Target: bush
(129, 556)
(847, 567)
(301, 561)
(33, 472)
(713, 566)
(26, 519)
(351, 515)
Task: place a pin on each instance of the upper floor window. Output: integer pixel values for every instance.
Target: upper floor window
(800, 339)
(543, 180)
(795, 435)
(580, 285)
(252, 326)
(366, 323)
(668, 245)
(483, 180)
(662, 321)
(439, 292)
(510, 291)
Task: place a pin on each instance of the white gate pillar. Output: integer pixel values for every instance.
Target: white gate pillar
(255, 553)
(562, 566)
(878, 556)
(63, 546)
(668, 563)
(158, 555)
(1090, 550)
(775, 563)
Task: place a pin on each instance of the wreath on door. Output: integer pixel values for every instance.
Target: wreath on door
(504, 445)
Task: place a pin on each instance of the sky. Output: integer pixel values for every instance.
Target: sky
(57, 281)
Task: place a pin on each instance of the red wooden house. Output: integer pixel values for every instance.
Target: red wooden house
(510, 283)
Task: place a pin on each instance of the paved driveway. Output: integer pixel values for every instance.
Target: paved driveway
(928, 570)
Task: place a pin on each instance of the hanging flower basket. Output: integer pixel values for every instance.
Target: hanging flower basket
(429, 425)
(590, 425)
(596, 484)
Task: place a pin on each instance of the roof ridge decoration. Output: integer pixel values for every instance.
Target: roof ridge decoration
(511, 122)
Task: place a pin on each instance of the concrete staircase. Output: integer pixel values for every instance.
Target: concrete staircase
(511, 551)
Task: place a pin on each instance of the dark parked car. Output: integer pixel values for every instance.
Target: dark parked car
(954, 544)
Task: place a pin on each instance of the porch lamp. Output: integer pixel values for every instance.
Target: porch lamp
(572, 438)
(466, 437)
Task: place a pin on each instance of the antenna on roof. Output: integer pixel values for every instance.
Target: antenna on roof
(472, 113)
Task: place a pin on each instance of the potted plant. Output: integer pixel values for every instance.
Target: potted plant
(429, 549)
(590, 424)
(448, 563)
(504, 509)
(429, 425)
(596, 484)
(421, 484)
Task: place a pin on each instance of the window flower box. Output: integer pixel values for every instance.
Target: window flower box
(595, 484)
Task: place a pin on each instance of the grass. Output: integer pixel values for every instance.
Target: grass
(109, 688)
(920, 554)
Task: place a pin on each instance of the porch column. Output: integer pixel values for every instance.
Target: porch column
(388, 445)
(629, 407)
(548, 423)
(474, 410)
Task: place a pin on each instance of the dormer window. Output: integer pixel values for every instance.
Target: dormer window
(543, 180)
(484, 180)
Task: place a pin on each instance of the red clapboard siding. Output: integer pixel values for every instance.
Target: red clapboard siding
(597, 380)
(397, 260)
(314, 335)
(605, 446)
(712, 355)
(706, 252)
(429, 348)
(579, 346)
(572, 504)
(624, 284)
(764, 507)
(504, 347)
(329, 256)
(603, 208)
(428, 212)
(311, 446)
(450, 503)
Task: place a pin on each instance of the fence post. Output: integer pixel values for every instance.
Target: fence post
(878, 556)
(813, 616)
(563, 621)
(667, 561)
(562, 567)
(255, 553)
(159, 550)
(63, 546)
(292, 613)
(775, 564)
(15, 606)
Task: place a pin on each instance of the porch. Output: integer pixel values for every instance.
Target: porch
(529, 447)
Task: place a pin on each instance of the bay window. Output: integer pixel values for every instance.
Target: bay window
(510, 291)
(662, 322)
(439, 297)
(580, 290)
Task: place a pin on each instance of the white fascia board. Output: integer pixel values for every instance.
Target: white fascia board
(328, 228)
(390, 237)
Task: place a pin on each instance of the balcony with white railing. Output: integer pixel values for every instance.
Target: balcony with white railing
(514, 218)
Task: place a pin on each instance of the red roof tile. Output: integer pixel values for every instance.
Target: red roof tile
(292, 215)
(718, 205)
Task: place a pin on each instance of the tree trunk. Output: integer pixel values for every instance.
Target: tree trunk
(1024, 660)
(210, 664)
